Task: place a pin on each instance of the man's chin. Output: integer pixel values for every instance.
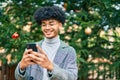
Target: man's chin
(49, 37)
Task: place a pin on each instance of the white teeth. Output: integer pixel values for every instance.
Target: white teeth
(48, 32)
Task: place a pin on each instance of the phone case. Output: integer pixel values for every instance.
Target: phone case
(32, 46)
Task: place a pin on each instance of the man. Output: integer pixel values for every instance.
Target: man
(54, 60)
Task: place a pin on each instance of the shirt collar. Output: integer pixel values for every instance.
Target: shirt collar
(52, 41)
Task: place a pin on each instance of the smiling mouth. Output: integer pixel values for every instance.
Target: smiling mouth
(48, 32)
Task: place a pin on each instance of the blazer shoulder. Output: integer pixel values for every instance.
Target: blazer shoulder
(68, 47)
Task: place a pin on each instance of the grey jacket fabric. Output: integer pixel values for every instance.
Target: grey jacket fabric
(65, 66)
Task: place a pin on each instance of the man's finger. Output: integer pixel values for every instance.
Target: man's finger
(40, 49)
(27, 51)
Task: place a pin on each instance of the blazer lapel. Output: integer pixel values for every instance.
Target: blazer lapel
(61, 54)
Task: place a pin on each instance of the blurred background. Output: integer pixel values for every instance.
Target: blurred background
(92, 28)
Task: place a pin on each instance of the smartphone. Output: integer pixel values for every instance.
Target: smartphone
(32, 46)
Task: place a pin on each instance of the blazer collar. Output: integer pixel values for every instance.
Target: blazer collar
(61, 53)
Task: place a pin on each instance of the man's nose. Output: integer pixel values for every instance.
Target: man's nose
(47, 26)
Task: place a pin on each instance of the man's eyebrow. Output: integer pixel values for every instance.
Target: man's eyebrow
(51, 21)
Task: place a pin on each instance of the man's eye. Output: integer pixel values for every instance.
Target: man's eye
(51, 24)
(43, 24)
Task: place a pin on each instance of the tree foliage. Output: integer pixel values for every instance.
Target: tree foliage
(92, 28)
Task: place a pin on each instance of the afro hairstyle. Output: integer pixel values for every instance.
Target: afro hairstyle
(49, 12)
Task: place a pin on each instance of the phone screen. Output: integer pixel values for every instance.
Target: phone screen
(32, 46)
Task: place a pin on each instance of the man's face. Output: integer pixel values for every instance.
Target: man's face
(50, 28)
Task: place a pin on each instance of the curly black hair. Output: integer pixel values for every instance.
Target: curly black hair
(49, 12)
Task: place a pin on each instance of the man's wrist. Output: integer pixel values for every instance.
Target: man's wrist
(21, 69)
(50, 67)
(22, 72)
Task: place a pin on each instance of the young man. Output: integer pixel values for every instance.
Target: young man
(54, 60)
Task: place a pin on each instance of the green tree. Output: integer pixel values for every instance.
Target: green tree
(92, 28)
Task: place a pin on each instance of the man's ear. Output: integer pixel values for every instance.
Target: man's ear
(60, 26)
(61, 29)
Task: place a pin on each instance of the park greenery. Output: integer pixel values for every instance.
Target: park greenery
(92, 28)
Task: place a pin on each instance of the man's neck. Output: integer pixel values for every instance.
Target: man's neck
(52, 41)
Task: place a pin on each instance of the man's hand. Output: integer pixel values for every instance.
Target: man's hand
(42, 59)
(26, 59)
